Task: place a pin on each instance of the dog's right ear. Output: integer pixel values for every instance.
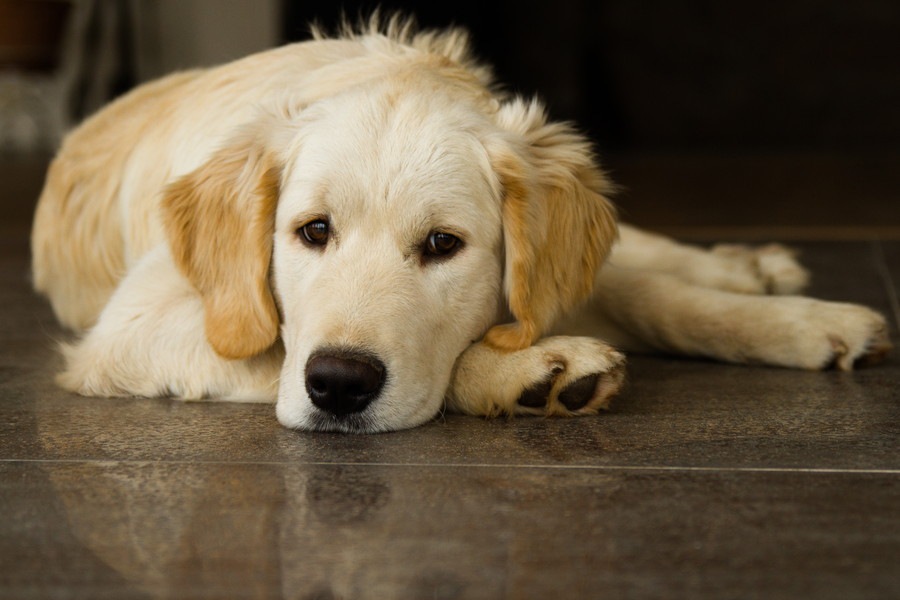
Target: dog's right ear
(219, 220)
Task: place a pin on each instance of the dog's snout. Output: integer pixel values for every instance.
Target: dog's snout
(343, 382)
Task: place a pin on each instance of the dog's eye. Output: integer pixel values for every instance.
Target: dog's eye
(440, 244)
(314, 233)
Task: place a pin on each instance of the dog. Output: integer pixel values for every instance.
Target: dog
(363, 230)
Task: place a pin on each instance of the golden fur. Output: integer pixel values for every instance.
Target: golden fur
(219, 220)
(169, 234)
(558, 225)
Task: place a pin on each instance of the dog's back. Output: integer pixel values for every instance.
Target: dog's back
(97, 212)
(77, 238)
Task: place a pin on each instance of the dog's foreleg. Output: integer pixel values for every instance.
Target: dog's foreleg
(150, 341)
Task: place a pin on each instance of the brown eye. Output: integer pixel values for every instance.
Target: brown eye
(440, 244)
(314, 233)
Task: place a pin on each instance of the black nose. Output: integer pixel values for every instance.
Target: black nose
(343, 382)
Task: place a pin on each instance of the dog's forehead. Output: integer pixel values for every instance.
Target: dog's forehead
(415, 152)
(395, 130)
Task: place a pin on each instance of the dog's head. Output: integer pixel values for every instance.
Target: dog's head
(381, 231)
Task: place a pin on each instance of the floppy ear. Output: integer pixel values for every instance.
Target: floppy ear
(219, 220)
(558, 224)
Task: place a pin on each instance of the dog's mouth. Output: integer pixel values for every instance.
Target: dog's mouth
(324, 421)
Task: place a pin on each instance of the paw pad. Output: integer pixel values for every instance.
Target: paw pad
(537, 395)
(573, 397)
(577, 394)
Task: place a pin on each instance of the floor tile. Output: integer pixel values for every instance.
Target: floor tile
(179, 530)
(888, 260)
(674, 413)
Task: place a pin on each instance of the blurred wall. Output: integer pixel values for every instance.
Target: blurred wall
(653, 74)
(61, 60)
(664, 74)
(176, 34)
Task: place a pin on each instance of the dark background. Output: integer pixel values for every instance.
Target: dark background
(690, 74)
(718, 119)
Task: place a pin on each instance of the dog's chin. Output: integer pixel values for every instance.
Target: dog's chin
(367, 421)
(354, 423)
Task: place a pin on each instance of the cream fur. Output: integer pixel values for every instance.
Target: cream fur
(167, 233)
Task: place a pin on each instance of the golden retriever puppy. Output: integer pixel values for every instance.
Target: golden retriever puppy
(363, 230)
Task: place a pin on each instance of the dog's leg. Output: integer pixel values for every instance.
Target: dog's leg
(150, 341)
(556, 376)
(646, 310)
(770, 269)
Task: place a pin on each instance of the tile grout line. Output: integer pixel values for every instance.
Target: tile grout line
(637, 468)
(887, 281)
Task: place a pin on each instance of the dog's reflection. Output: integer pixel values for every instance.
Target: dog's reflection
(296, 531)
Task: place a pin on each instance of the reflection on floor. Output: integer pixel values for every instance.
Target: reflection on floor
(704, 481)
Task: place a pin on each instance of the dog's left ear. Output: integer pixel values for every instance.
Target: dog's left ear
(558, 224)
(220, 221)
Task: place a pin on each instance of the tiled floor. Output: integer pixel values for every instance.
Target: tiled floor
(704, 481)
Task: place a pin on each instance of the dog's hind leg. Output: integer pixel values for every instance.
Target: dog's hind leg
(644, 310)
(558, 375)
(769, 269)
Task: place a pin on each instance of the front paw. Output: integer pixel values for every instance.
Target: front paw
(559, 375)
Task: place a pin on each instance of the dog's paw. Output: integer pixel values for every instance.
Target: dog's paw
(779, 269)
(557, 376)
(855, 335)
(771, 269)
(814, 334)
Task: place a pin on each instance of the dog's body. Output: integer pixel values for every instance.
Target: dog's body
(336, 224)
